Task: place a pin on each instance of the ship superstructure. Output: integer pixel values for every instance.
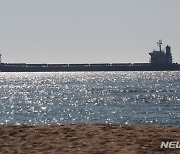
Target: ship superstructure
(161, 57)
(160, 61)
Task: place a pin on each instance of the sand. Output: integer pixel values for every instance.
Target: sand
(87, 138)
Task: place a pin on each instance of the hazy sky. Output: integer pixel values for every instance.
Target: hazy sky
(87, 31)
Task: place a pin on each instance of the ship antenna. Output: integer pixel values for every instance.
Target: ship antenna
(159, 44)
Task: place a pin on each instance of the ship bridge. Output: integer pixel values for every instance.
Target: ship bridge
(161, 57)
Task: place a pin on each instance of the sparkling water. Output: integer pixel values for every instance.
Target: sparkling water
(90, 97)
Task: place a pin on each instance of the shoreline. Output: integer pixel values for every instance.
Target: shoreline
(87, 138)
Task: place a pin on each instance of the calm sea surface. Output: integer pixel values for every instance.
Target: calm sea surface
(90, 97)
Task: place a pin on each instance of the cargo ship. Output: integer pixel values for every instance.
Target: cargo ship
(160, 60)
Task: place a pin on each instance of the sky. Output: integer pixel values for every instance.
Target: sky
(87, 31)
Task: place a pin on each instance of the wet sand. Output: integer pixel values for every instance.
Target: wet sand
(87, 138)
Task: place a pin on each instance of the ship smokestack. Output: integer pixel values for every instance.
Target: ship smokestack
(0, 59)
(168, 55)
(168, 50)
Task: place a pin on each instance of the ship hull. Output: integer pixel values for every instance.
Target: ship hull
(85, 67)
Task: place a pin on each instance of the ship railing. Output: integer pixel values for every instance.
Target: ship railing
(58, 65)
(76, 65)
(100, 64)
(36, 65)
(141, 64)
(15, 64)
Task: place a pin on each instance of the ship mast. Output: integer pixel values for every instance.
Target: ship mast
(159, 44)
(0, 59)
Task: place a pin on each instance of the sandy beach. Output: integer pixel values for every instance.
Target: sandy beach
(87, 138)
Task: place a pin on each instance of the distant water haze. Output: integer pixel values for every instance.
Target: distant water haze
(92, 31)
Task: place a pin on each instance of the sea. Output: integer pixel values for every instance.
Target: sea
(150, 98)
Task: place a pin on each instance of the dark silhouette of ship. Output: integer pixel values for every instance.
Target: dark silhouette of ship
(160, 61)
